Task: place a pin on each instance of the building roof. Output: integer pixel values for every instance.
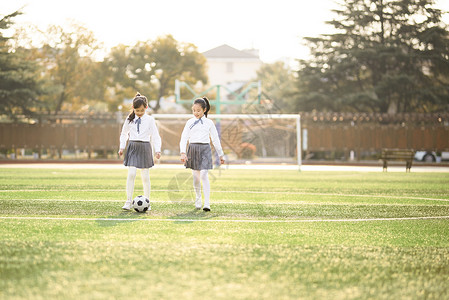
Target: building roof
(225, 51)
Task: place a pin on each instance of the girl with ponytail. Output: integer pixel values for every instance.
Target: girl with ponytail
(141, 133)
(198, 132)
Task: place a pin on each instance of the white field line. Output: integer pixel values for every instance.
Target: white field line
(244, 192)
(188, 202)
(226, 221)
(120, 166)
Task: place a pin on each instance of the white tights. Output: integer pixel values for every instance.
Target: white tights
(145, 173)
(201, 176)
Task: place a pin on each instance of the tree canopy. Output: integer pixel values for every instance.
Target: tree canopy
(58, 73)
(19, 86)
(278, 85)
(387, 56)
(152, 67)
(67, 57)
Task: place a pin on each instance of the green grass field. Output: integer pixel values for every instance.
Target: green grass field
(270, 235)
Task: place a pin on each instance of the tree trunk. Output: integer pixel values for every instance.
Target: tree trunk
(59, 104)
(393, 107)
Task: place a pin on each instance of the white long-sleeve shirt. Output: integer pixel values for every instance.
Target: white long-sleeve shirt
(201, 132)
(147, 132)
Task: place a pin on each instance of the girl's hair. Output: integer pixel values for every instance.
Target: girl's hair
(204, 102)
(138, 101)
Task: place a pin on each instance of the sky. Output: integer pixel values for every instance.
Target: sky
(274, 27)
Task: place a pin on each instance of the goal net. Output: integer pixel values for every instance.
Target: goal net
(245, 138)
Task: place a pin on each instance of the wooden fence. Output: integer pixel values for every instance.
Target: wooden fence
(38, 137)
(320, 137)
(376, 137)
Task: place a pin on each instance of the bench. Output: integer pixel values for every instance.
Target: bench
(406, 155)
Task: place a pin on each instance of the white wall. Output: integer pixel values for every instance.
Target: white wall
(226, 70)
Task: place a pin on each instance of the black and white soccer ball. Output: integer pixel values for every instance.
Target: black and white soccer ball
(141, 204)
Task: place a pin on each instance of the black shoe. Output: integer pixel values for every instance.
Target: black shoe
(206, 209)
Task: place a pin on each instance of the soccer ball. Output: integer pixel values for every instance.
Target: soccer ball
(141, 204)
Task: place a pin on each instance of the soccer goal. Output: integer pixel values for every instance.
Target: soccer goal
(245, 138)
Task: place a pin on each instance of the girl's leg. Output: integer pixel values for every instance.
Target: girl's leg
(197, 187)
(130, 187)
(206, 188)
(145, 173)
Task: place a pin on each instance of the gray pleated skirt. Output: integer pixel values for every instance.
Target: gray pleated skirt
(139, 154)
(199, 157)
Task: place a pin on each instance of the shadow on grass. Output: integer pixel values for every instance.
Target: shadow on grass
(133, 216)
(123, 216)
(192, 216)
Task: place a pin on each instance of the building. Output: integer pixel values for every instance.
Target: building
(231, 67)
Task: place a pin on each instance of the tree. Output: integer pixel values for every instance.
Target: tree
(278, 85)
(130, 71)
(388, 56)
(72, 76)
(171, 60)
(151, 68)
(19, 88)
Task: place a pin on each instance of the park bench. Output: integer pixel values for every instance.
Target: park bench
(406, 155)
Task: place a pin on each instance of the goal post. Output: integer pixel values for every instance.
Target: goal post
(246, 136)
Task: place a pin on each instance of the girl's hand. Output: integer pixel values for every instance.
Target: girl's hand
(222, 160)
(120, 152)
(183, 157)
(158, 155)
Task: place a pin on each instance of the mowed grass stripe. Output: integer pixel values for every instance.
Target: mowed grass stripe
(222, 220)
(185, 210)
(233, 192)
(175, 196)
(223, 260)
(250, 179)
(236, 201)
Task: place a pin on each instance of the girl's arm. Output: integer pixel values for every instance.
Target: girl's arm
(124, 135)
(155, 138)
(216, 142)
(183, 142)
